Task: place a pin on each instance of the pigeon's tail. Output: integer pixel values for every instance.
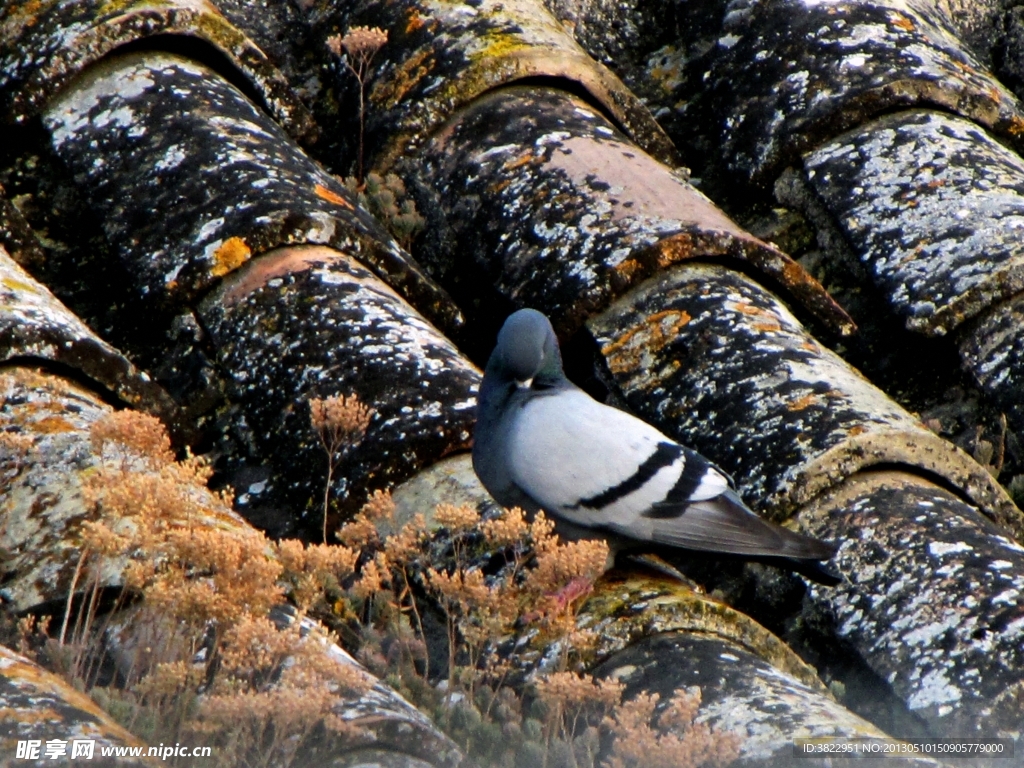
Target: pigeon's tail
(797, 547)
(725, 524)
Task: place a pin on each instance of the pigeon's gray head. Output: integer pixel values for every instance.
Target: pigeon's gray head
(527, 348)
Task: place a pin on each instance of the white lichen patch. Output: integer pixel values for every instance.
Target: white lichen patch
(934, 689)
(941, 548)
(98, 100)
(920, 220)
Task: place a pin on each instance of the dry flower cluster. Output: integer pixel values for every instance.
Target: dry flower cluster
(682, 743)
(340, 422)
(361, 44)
(543, 584)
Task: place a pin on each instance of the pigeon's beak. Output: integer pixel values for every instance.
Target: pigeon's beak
(525, 384)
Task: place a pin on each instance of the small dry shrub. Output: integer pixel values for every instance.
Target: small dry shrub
(340, 422)
(360, 44)
(387, 198)
(677, 743)
(207, 585)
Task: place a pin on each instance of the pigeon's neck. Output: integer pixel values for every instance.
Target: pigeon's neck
(551, 381)
(493, 398)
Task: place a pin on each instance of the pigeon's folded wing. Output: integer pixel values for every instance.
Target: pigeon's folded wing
(724, 524)
(597, 465)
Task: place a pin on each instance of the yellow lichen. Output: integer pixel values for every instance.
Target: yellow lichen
(232, 254)
(388, 93)
(18, 285)
(499, 45)
(51, 425)
(115, 7)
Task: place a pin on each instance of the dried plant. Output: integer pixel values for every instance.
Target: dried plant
(32, 634)
(14, 450)
(133, 434)
(340, 422)
(207, 591)
(212, 663)
(681, 743)
(274, 687)
(361, 45)
(575, 704)
(312, 573)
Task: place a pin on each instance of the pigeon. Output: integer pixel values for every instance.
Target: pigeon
(542, 443)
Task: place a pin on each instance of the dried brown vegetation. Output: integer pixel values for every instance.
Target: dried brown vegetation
(209, 664)
(680, 743)
(215, 665)
(340, 422)
(558, 721)
(361, 45)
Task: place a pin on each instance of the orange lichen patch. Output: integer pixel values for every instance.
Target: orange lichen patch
(793, 274)
(746, 308)
(29, 715)
(1015, 126)
(769, 327)
(810, 346)
(519, 162)
(25, 16)
(332, 197)
(676, 248)
(232, 254)
(965, 68)
(388, 93)
(500, 186)
(901, 21)
(415, 21)
(653, 334)
(52, 425)
(627, 268)
(803, 403)
(856, 429)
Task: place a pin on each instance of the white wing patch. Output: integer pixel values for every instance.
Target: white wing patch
(569, 447)
(711, 485)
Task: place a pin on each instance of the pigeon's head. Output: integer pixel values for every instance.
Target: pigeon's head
(527, 349)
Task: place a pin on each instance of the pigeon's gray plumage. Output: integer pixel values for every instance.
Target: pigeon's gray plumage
(543, 443)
